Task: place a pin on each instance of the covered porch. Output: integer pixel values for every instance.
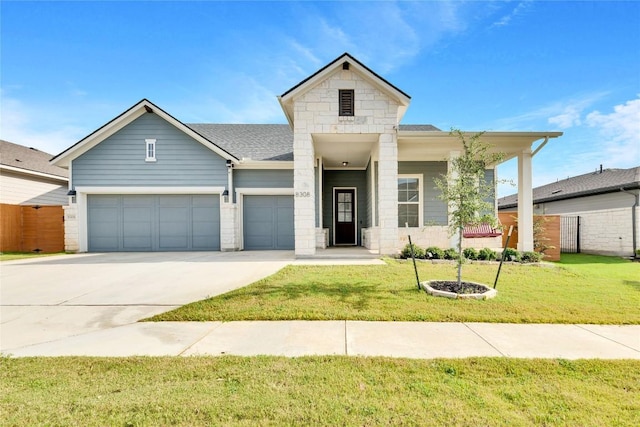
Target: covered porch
(348, 187)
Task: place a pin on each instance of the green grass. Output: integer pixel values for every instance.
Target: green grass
(12, 256)
(579, 289)
(261, 391)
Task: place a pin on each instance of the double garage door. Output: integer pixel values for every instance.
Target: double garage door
(153, 222)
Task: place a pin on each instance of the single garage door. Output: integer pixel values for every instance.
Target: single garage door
(153, 222)
(268, 222)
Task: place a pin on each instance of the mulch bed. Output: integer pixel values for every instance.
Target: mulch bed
(452, 286)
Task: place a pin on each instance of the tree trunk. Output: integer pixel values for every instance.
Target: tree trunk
(460, 256)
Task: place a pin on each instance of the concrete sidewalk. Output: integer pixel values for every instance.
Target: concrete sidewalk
(353, 338)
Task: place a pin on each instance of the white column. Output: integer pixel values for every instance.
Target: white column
(388, 194)
(304, 194)
(525, 202)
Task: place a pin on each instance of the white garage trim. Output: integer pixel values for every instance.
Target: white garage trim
(81, 200)
(241, 192)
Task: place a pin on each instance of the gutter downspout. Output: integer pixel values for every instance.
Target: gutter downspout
(546, 139)
(633, 218)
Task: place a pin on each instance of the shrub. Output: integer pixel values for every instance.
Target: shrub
(450, 253)
(470, 253)
(418, 252)
(487, 254)
(433, 252)
(511, 254)
(530, 257)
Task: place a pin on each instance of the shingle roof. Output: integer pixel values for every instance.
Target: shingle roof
(29, 159)
(607, 181)
(254, 141)
(263, 142)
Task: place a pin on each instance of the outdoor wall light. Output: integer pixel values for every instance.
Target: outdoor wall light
(72, 193)
(225, 196)
(229, 164)
(345, 163)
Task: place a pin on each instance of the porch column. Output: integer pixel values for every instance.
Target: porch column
(525, 202)
(388, 193)
(304, 193)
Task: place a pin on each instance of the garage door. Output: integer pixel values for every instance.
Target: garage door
(153, 222)
(268, 222)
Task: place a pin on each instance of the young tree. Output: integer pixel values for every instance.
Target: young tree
(465, 189)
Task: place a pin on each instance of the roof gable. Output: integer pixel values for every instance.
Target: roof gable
(286, 99)
(143, 107)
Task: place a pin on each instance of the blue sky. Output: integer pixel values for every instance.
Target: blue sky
(69, 67)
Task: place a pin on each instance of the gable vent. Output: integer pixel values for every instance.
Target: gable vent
(346, 98)
(345, 65)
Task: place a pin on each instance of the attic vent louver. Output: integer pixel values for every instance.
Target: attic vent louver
(345, 65)
(345, 101)
(556, 191)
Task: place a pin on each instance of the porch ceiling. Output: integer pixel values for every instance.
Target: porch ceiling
(338, 148)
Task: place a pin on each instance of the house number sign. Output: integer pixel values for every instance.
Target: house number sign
(303, 194)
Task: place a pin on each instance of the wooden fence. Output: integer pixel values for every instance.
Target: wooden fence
(551, 225)
(31, 228)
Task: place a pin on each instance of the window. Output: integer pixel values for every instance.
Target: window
(409, 200)
(345, 102)
(150, 145)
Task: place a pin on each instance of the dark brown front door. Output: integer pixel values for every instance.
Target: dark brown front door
(345, 217)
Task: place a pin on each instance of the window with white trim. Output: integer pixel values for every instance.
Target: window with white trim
(150, 145)
(409, 200)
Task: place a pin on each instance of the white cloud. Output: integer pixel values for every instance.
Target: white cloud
(569, 117)
(564, 113)
(520, 9)
(619, 133)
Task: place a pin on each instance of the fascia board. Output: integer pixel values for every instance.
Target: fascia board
(86, 144)
(64, 159)
(34, 173)
(264, 164)
(363, 71)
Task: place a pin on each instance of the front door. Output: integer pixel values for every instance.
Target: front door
(344, 218)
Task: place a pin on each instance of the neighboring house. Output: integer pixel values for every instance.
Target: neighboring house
(27, 177)
(343, 171)
(606, 202)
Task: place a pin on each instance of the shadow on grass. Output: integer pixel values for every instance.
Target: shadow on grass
(569, 259)
(355, 294)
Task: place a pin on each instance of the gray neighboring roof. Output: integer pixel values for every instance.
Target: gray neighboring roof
(263, 141)
(589, 184)
(29, 159)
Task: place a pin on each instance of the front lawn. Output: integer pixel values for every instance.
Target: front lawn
(579, 289)
(12, 256)
(262, 391)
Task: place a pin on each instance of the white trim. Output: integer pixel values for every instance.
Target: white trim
(123, 120)
(150, 145)
(355, 213)
(246, 191)
(320, 192)
(34, 173)
(420, 178)
(150, 190)
(264, 164)
(83, 192)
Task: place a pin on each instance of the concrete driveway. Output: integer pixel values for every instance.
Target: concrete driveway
(50, 298)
